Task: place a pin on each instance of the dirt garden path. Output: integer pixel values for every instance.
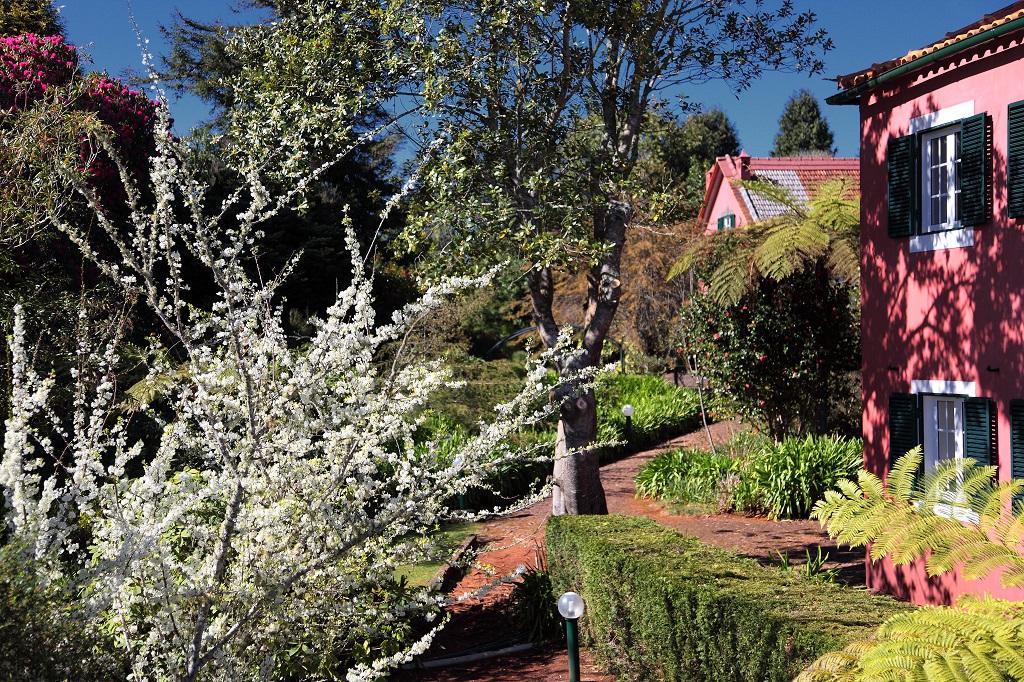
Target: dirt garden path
(484, 623)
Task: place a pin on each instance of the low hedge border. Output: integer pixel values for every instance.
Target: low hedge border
(663, 606)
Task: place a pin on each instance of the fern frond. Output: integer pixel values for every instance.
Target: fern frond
(789, 244)
(903, 476)
(901, 518)
(731, 278)
(977, 641)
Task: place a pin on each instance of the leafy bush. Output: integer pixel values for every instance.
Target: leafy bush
(660, 411)
(662, 606)
(785, 354)
(485, 384)
(42, 637)
(787, 478)
(687, 475)
(534, 603)
(754, 474)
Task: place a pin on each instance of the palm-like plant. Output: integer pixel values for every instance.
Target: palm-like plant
(909, 517)
(823, 234)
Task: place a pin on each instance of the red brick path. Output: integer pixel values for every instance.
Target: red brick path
(514, 540)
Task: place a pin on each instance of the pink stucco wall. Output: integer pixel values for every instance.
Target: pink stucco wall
(954, 314)
(725, 200)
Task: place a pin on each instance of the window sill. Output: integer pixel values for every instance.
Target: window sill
(955, 511)
(938, 241)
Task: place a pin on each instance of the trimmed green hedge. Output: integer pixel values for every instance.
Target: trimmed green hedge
(661, 605)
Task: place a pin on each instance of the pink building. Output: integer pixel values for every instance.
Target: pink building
(942, 287)
(728, 205)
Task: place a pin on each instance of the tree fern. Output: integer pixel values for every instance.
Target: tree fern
(979, 640)
(825, 231)
(909, 517)
(906, 518)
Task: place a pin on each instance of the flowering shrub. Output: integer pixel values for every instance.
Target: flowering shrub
(785, 354)
(30, 65)
(130, 117)
(281, 487)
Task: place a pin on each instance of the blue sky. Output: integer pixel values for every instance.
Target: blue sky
(864, 31)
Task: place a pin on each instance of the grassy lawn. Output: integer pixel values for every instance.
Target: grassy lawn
(448, 540)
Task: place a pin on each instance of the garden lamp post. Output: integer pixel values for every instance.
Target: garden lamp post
(627, 412)
(570, 607)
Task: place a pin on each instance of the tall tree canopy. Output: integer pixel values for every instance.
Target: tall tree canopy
(676, 156)
(510, 98)
(245, 71)
(29, 16)
(527, 86)
(802, 128)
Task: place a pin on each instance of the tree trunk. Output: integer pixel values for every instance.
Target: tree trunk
(577, 480)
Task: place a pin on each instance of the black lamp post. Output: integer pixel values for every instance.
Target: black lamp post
(570, 607)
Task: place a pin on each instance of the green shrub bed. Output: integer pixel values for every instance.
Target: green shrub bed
(660, 411)
(754, 474)
(662, 606)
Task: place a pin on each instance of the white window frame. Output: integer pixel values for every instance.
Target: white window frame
(950, 134)
(929, 415)
(948, 239)
(931, 427)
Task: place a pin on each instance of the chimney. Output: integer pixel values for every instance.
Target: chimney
(744, 159)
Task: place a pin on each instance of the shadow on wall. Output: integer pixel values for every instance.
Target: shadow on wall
(952, 314)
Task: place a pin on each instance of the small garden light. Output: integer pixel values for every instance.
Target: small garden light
(570, 607)
(627, 412)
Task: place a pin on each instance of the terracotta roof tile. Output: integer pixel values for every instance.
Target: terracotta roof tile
(989, 21)
(801, 175)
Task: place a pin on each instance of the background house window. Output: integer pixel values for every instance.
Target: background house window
(727, 221)
(940, 163)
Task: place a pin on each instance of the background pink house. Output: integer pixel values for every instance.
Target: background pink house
(942, 174)
(728, 205)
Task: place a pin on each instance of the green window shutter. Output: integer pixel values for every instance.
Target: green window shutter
(721, 223)
(1017, 439)
(975, 170)
(901, 158)
(1015, 160)
(904, 427)
(980, 431)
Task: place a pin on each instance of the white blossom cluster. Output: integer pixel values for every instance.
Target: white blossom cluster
(282, 485)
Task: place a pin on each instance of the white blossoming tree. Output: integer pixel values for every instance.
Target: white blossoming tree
(281, 489)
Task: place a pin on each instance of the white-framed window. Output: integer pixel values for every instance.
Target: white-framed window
(940, 179)
(727, 221)
(943, 421)
(943, 430)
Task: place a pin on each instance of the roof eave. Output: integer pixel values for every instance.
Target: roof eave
(853, 95)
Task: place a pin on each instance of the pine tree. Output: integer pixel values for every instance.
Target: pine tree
(802, 128)
(29, 16)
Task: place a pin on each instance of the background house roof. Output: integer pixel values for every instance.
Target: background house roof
(988, 22)
(800, 175)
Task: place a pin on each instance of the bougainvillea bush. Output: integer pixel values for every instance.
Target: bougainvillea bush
(30, 65)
